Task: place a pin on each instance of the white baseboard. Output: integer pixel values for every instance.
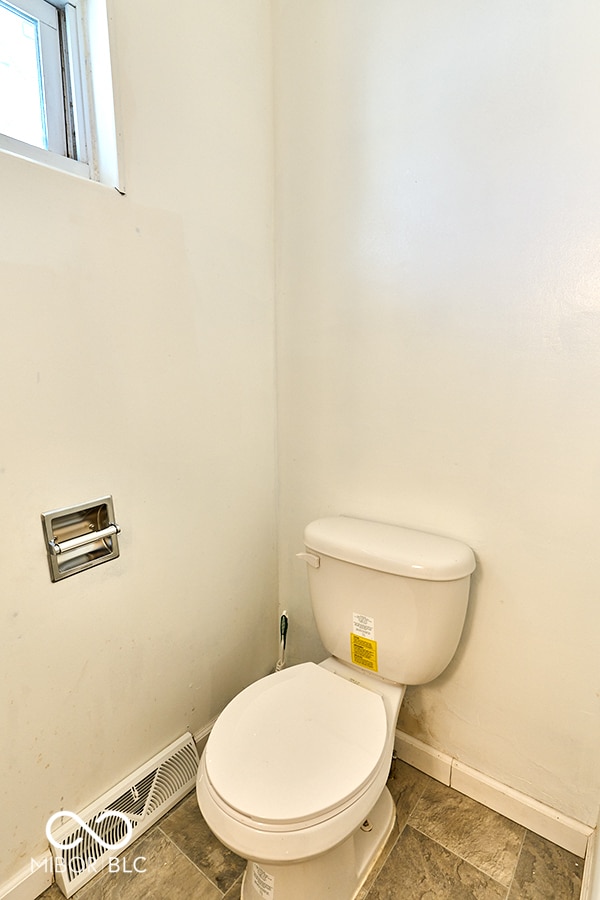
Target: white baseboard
(423, 758)
(31, 881)
(536, 816)
(590, 883)
(201, 737)
(533, 815)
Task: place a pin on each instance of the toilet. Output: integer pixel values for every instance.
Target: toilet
(293, 775)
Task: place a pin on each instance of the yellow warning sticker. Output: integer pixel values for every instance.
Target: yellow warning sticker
(363, 652)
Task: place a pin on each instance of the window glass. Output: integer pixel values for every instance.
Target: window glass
(22, 108)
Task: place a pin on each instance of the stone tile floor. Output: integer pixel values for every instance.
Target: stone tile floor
(445, 846)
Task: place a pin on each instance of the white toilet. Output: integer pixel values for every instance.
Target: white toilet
(293, 774)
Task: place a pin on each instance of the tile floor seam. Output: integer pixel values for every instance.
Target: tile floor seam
(418, 800)
(412, 809)
(184, 854)
(514, 874)
(229, 890)
(462, 858)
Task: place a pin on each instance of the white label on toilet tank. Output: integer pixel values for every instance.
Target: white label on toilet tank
(363, 625)
(263, 883)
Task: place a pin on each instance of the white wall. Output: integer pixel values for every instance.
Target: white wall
(439, 343)
(136, 358)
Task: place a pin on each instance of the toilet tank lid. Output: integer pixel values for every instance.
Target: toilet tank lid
(390, 548)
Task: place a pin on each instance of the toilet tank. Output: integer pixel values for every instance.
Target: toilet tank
(387, 599)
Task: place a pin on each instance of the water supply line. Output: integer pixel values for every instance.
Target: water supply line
(283, 628)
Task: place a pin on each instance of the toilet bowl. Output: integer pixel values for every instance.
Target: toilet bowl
(293, 768)
(293, 774)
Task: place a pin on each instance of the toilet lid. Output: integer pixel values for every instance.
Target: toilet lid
(296, 744)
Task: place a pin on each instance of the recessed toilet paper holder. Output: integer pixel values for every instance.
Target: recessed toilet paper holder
(79, 537)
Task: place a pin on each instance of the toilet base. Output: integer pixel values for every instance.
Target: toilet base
(337, 874)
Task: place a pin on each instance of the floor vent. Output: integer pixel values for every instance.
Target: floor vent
(85, 842)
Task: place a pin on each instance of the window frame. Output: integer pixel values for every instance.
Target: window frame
(88, 153)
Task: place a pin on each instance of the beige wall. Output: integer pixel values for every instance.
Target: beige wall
(439, 343)
(136, 358)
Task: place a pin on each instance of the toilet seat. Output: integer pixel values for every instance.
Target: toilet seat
(295, 748)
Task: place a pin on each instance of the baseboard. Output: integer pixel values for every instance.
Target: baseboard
(533, 815)
(31, 881)
(423, 757)
(536, 816)
(590, 883)
(201, 736)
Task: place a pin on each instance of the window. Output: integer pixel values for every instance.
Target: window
(48, 86)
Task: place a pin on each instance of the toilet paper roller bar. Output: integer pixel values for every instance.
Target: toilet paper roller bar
(89, 538)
